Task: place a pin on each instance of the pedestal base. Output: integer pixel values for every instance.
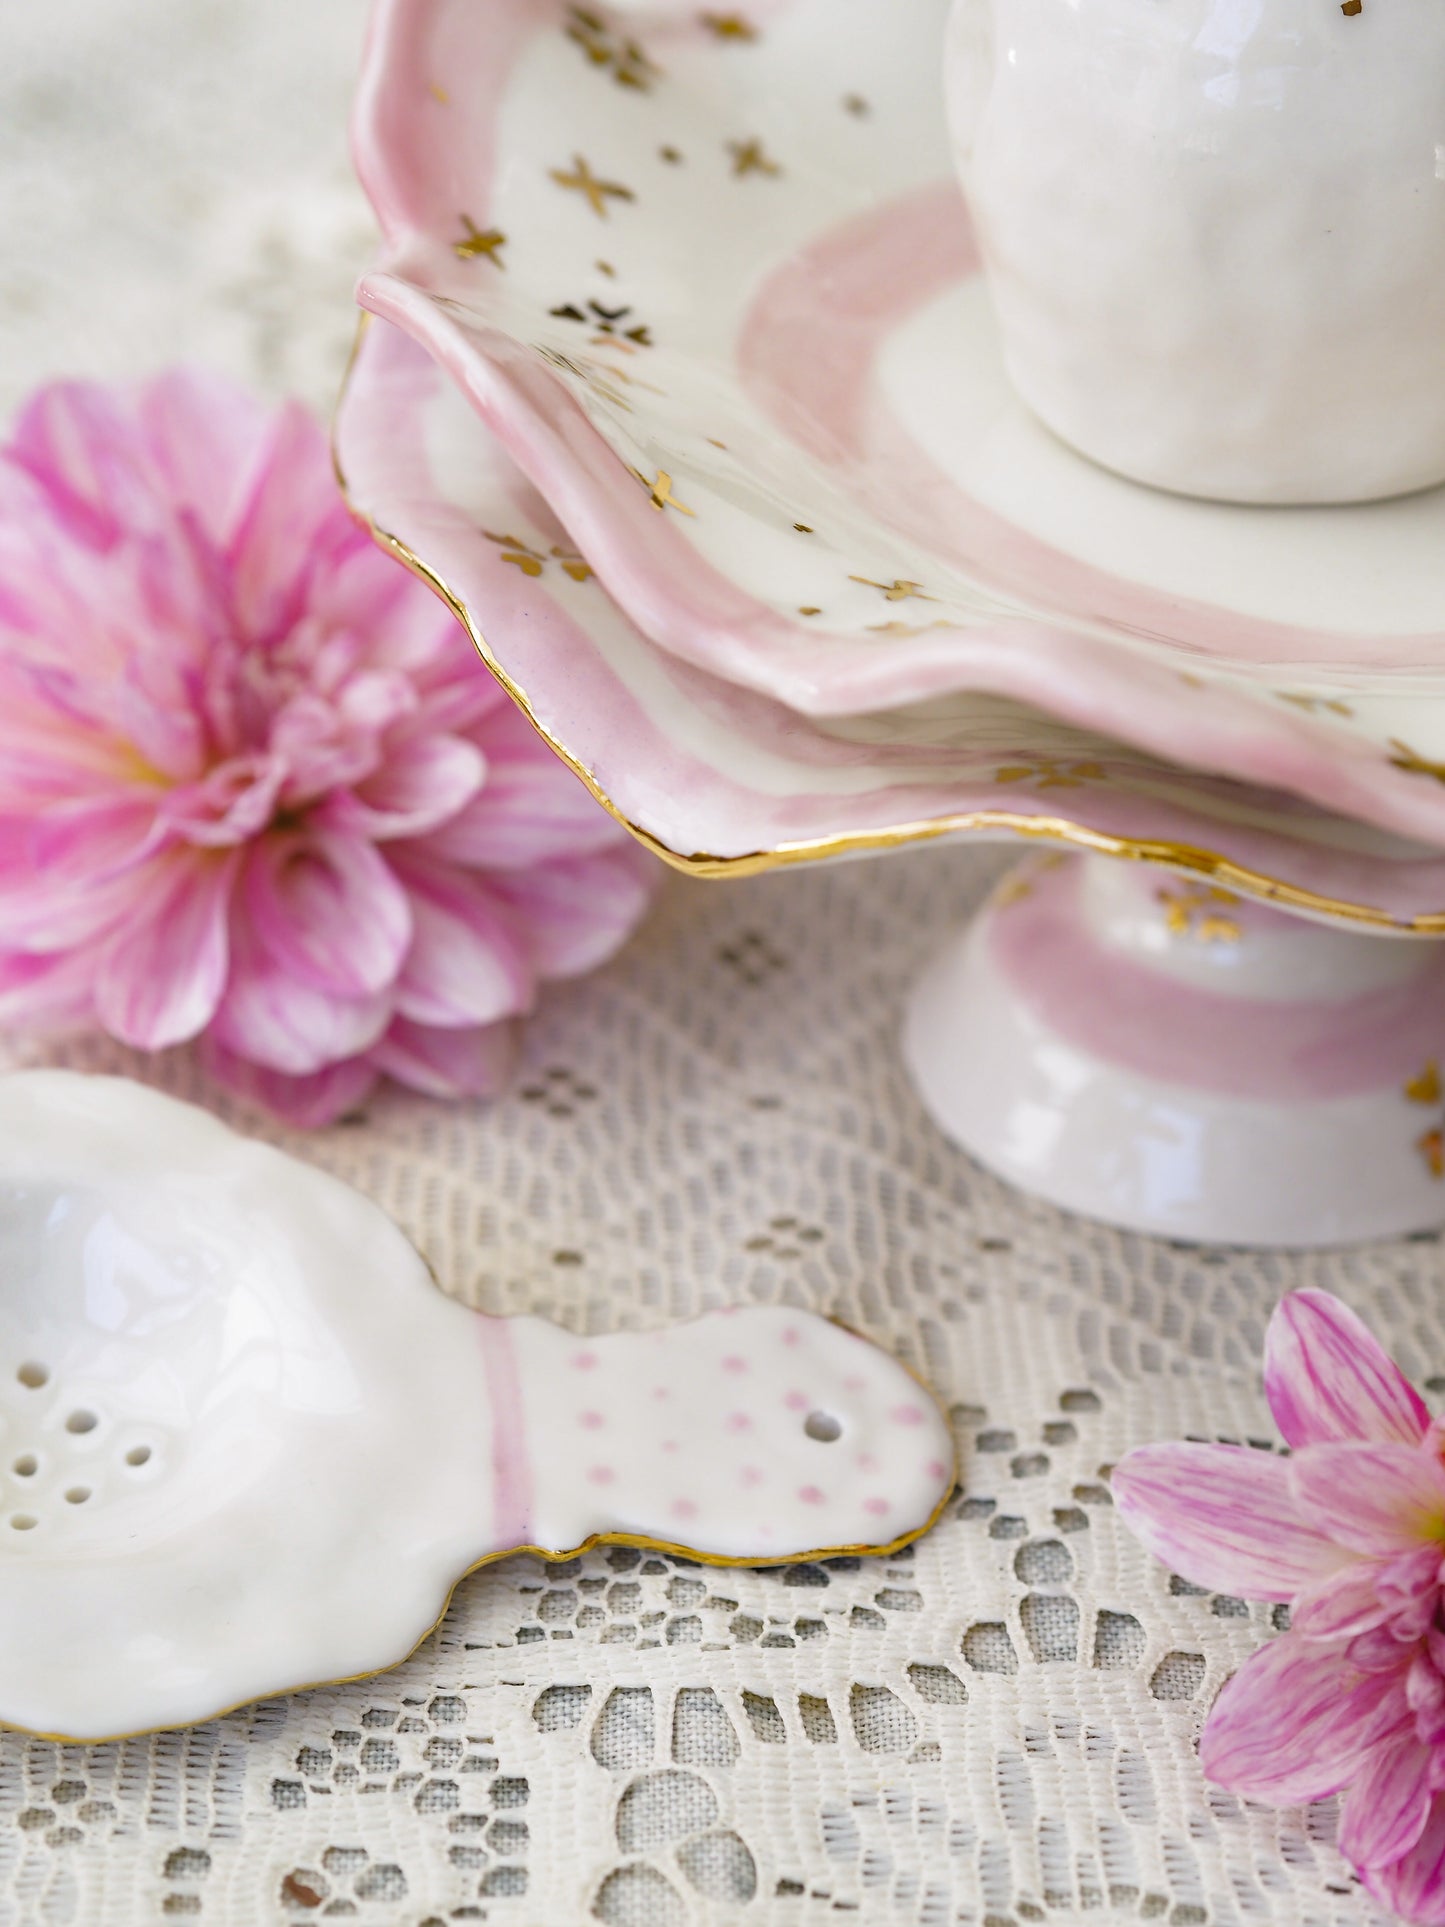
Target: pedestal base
(1146, 1050)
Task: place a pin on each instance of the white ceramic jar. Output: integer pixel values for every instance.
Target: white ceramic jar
(1215, 233)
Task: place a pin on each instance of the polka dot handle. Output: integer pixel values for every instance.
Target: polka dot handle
(748, 1434)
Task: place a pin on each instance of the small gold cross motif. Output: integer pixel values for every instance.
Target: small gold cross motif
(1426, 1088)
(898, 590)
(749, 158)
(661, 493)
(729, 26)
(475, 243)
(1405, 758)
(583, 181)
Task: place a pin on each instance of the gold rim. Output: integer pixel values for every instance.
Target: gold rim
(717, 1560)
(1186, 858)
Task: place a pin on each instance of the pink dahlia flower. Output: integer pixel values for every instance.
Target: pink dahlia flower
(1350, 1530)
(255, 787)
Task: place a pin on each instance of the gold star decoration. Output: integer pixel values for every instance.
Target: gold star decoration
(628, 62)
(1049, 775)
(532, 562)
(729, 26)
(583, 181)
(1311, 703)
(475, 243)
(661, 495)
(1427, 1087)
(1190, 912)
(1353, 7)
(899, 590)
(749, 157)
(1405, 758)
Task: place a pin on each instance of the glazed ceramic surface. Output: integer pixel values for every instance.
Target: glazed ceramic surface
(1215, 236)
(710, 281)
(721, 778)
(248, 1444)
(1175, 1060)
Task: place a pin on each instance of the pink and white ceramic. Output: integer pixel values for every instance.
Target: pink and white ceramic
(223, 1476)
(723, 780)
(708, 279)
(1177, 1060)
(1215, 237)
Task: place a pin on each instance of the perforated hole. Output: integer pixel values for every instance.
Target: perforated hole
(81, 1421)
(23, 1521)
(823, 1427)
(77, 1495)
(26, 1466)
(33, 1374)
(138, 1455)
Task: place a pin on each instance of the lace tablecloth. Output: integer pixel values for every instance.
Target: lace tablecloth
(996, 1728)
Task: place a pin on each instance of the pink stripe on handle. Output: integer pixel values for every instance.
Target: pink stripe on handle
(511, 1468)
(1173, 1033)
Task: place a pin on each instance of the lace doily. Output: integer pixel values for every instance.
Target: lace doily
(998, 1728)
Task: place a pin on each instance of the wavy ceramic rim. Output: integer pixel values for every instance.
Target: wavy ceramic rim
(689, 604)
(641, 1541)
(1061, 831)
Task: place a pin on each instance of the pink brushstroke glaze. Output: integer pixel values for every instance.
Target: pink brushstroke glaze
(1174, 1033)
(512, 1480)
(411, 156)
(664, 786)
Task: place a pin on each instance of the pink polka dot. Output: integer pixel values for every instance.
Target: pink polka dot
(669, 1445)
(797, 1401)
(583, 1361)
(867, 1462)
(602, 1475)
(751, 1475)
(660, 1391)
(907, 1415)
(810, 1495)
(591, 1421)
(876, 1506)
(732, 1363)
(855, 1384)
(738, 1422)
(936, 1469)
(791, 1336)
(683, 1509)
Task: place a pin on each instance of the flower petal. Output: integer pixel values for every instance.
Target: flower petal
(530, 812)
(447, 1063)
(578, 914)
(420, 784)
(1388, 1804)
(1297, 1722)
(329, 910)
(1414, 1886)
(306, 1102)
(1378, 1499)
(1222, 1516)
(159, 983)
(206, 435)
(1341, 1605)
(468, 961)
(273, 1017)
(1327, 1376)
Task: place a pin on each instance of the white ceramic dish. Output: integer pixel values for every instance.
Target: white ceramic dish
(718, 297)
(248, 1445)
(1216, 238)
(1171, 1058)
(722, 780)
